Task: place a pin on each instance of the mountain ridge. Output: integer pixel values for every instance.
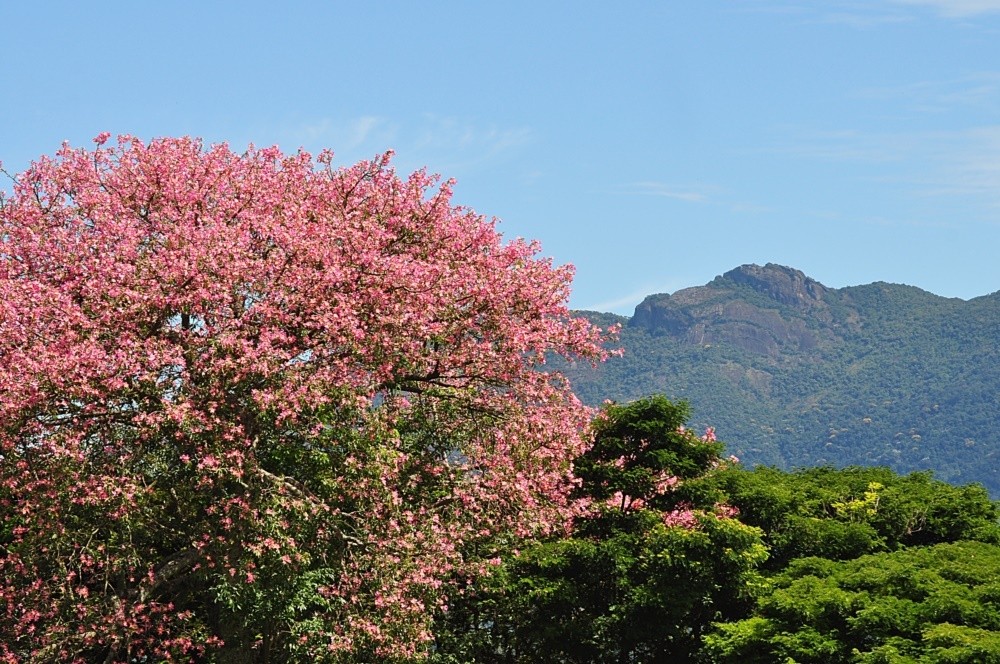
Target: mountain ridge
(794, 373)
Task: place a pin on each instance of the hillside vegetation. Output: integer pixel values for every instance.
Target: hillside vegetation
(795, 374)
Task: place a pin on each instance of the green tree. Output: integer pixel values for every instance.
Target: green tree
(642, 575)
(845, 513)
(937, 603)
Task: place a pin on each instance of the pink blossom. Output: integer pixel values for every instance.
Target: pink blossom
(682, 516)
(171, 302)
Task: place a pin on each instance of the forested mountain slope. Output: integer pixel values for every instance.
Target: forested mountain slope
(792, 373)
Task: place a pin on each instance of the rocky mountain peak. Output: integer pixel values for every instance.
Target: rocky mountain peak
(783, 284)
(792, 312)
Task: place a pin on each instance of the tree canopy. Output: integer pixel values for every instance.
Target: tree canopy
(257, 407)
(843, 513)
(930, 604)
(642, 574)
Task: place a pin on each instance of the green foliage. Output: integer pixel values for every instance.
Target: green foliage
(865, 565)
(954, 644)
(642, 594)
(921, 604)
(638, 447)
(640, 579)
(844, 513)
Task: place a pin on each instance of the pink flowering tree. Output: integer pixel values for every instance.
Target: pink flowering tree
(254, 407)
(654, 561)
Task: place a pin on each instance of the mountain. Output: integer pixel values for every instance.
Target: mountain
(792, 373)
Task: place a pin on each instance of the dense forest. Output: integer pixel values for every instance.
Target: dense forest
(794, 374)
(691, 558)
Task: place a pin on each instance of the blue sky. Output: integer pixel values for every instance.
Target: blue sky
(654, 145)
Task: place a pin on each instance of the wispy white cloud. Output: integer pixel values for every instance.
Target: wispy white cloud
(458, 142)
(957, 8)
(746, 207)
(532, 176)
(974, 90)
(368, 134)
(445, 143)
(852, 13)
(851, 145)
(626, 304)
(695, 194)
(664, 190)
(861, 19)
(971, 164)
(865, 14)
(361, 129)
(622, 305)
(963, 162)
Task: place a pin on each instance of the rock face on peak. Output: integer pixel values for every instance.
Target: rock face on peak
(784, 284)
(793, 373)
(760, 309)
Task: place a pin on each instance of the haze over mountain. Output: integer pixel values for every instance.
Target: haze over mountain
(792, 373)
